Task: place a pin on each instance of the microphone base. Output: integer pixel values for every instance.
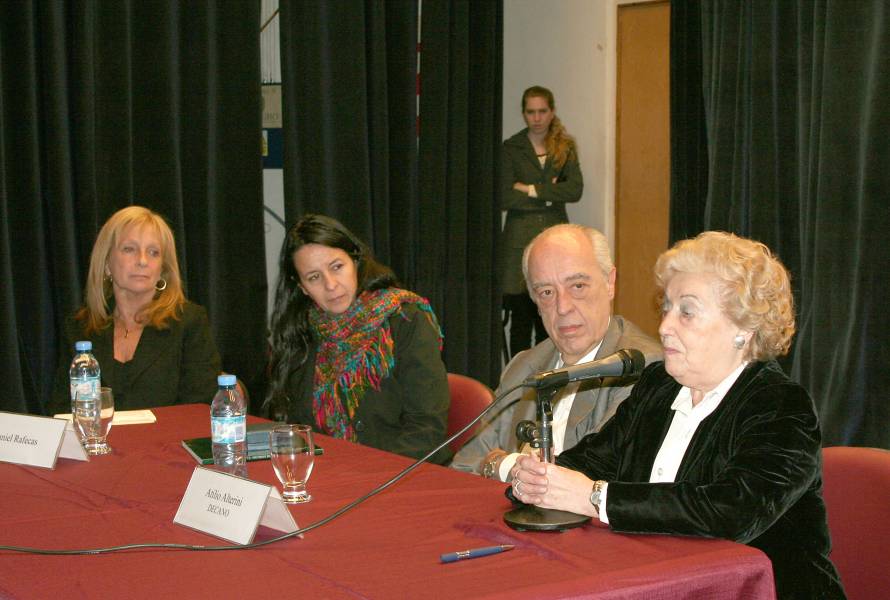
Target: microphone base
(532, 518)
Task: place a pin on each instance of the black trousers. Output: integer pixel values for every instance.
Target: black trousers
(524, 321)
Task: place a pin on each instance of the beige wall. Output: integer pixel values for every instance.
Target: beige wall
(569, 47)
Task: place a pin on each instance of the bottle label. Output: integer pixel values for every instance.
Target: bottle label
(84, 386)
(228, 430)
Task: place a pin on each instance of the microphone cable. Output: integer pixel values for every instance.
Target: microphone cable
(324, 521)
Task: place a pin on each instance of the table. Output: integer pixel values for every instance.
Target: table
(388, 547)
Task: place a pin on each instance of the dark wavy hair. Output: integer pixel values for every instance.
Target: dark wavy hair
(291, 336)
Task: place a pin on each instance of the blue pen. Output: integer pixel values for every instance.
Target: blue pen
(474, 553)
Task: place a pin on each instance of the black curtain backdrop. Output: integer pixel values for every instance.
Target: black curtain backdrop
(423, 198)
(460, 141)
(106, 104)
(780, 121)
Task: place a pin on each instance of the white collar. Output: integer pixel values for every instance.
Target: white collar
(712, 399)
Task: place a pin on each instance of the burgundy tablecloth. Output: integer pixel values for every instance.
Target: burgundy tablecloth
(388, 547)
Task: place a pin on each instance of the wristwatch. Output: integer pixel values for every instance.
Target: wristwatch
(489, 469)
(596, 493)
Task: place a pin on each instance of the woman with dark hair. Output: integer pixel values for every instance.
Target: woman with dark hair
(539, 175)
(352, 354)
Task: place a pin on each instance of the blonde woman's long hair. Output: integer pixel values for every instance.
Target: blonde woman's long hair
(167, 302)
(560, 145)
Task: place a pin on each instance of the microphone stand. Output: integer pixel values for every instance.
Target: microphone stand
(545, 418)
(529, 517)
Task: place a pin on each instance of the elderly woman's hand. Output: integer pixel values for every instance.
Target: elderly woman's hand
(549, 486)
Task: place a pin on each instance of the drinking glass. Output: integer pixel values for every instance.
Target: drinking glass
(293, 455)
(93, 412)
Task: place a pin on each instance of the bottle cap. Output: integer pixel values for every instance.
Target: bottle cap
(226, 380)
(83, 346)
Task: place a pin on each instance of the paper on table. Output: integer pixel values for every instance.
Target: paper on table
(124, 417)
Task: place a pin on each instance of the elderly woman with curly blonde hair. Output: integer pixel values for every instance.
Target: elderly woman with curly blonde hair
(716, 441)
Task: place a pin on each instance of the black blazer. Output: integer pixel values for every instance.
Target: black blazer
(177, 365)
(527, 216)
(752, 473)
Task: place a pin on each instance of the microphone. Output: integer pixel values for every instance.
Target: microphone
(625, 362)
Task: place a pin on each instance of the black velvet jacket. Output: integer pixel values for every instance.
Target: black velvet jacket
(752, 473)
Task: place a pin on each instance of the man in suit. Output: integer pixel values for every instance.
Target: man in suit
(570, 276)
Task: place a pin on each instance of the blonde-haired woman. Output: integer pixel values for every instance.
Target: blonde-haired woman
(154, 347)
(716, 441)
(539, 175)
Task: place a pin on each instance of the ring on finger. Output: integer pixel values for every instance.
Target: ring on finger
(516, 488)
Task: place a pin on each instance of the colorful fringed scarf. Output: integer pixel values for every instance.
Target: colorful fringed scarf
(355, 352)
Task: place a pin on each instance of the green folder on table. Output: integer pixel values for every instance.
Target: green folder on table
(201, 448)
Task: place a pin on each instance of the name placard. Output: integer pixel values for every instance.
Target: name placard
(230, 507)
(71, 446)
(30, 440)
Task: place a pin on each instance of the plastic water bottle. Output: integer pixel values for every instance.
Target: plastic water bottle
(228, 427)
(84, 374)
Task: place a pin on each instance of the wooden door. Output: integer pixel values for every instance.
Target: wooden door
(642, 159)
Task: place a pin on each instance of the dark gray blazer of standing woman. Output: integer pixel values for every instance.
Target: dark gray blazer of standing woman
(527, 216)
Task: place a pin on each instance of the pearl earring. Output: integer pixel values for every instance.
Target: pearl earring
(738, 342)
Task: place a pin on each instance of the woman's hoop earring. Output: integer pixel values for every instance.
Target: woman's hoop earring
(162, 287)
(738, 342)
